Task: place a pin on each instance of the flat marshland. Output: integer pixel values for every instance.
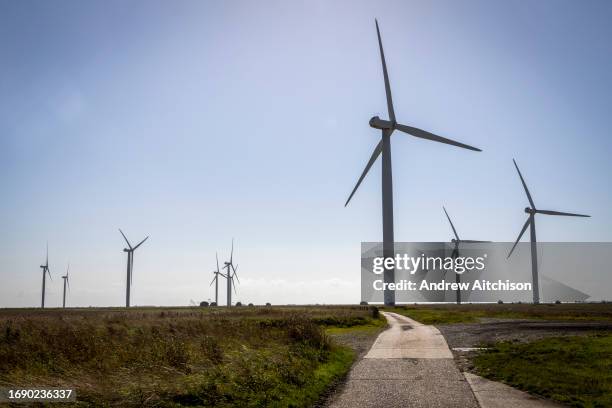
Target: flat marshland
(244, 356)
(292, 356)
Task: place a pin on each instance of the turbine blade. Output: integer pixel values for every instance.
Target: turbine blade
(548, 212)
(386, 75)
(416, 132)
(373, 158)
(124, 237)
(520, 236)
(451, 223)
(234, 286)
(471, 241)
(232, 253)
(524, 185)
(141, 242)
(213, 281)
(217, 257)
(236, 274)
(47, 261)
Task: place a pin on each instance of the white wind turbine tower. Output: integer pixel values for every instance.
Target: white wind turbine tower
(215, 280)
(383, 148)
(130, 265)
(455, 254)
(45, 272)
(230, 274)
(532, 211)
(66, 279)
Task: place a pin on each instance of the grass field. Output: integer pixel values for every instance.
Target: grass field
(466, 313)
(249, 356)
(575, 370)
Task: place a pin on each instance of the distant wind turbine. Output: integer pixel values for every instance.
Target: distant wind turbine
(384, 148)
(130, 265)
(217, 272)
(230, 275)
(45, 271)
(66, 282)
(532, 211)
(455, 254)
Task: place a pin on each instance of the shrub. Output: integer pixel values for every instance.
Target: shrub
(306, 331)
(203, 304)
(363, 303)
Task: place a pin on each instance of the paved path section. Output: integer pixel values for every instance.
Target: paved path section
(492, 394)
(407, 338)
(409, 365)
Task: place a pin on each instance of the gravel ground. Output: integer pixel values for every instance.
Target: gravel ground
(489, 331)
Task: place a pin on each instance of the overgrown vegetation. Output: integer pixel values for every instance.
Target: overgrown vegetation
(575, 370)
(466, 313)
(270, 356)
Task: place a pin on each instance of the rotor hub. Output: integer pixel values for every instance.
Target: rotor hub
(378, 123)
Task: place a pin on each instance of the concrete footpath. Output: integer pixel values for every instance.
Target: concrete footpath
(492, 394)
(410, 365)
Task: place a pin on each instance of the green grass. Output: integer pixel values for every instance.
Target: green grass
(248, 357)
(574, 370)
(468, 313)
(336, 367)
(372, 327)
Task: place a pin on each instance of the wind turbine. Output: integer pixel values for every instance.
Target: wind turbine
(229, 276)
(532, 211)
(217, 272)
(455, 254)
(45, 271)
(384, 148)
(66, 281)
(130, 265)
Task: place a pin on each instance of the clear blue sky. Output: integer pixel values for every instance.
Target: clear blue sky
(198, 121)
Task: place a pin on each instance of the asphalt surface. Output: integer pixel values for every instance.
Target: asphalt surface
(409, 365)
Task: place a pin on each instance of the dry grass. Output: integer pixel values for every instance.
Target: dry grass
(173, 357)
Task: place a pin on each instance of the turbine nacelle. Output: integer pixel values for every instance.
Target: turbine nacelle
(378, 123)
(530, 210)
